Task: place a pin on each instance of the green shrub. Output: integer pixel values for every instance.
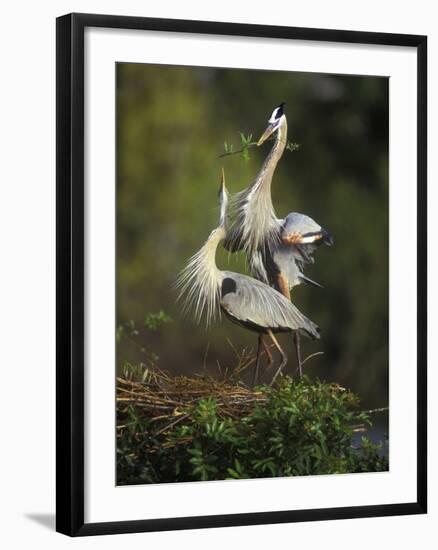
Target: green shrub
(301, 428)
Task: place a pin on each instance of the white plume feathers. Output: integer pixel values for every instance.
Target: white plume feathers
(199, 282)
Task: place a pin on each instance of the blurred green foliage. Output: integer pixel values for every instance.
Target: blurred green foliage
(303, 428)
(172, 123)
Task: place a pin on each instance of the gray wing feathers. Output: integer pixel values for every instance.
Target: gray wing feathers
(257, 303)
(299, 223)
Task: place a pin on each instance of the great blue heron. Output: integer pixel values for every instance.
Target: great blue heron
(243, 299)
(277, 249)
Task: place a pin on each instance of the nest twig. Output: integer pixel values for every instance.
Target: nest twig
(165, 399)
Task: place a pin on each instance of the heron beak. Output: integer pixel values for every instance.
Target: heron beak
(222, 188)
(267, 133)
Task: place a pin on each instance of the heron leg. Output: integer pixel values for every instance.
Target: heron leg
(257, 364)
(282, 353)
(268, 354)
(297, 342)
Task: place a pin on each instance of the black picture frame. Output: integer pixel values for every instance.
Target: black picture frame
(70, 273)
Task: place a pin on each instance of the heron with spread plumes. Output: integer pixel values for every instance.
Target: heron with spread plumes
(246, 301)
(277, 249)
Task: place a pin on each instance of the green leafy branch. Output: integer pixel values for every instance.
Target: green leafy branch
(246, 143)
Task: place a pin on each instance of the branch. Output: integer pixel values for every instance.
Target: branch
(246, 144)
(231, 152)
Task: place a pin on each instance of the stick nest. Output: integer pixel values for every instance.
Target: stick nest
(166, 399)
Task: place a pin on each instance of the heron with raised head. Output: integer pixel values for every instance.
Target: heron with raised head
(277, 249)
(246, 301)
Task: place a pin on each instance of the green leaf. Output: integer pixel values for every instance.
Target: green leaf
(154, 320)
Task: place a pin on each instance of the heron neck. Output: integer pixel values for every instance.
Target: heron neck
(209, 276)
(210, 249)
(261, 226)
(266, 173)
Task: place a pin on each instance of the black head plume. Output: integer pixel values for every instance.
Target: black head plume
(280, 110)
(277, 113)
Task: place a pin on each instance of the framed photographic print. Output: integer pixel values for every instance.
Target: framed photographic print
(241, 274)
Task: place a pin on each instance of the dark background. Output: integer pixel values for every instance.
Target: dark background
(172, 123)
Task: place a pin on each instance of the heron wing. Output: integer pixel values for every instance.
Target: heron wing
(300, 223)
(304, 228)
(256, 303)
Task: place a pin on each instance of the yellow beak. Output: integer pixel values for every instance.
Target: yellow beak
(268, 132)
(223, 188)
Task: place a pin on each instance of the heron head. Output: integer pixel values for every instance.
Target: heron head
(223, 199)
(273, 123)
